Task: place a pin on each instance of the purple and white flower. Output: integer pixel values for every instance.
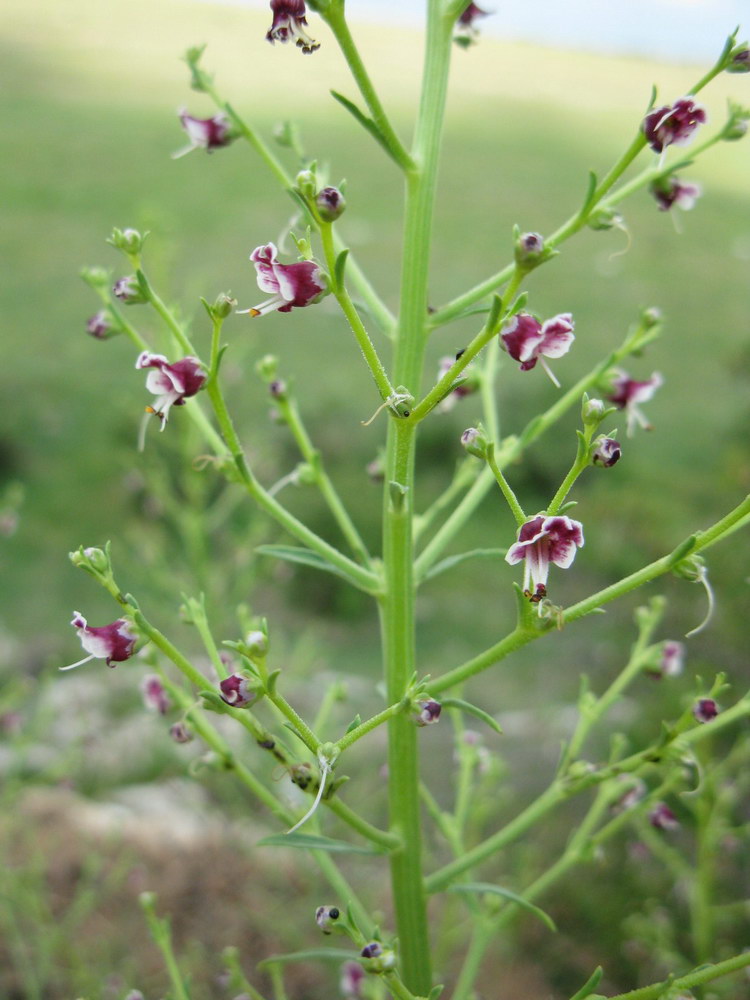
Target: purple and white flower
(673, 125)
(672, 659)
(128, 291)
(466, 30)
(180, 733)
(155, 697)
(627, 394)
(172, 383)
(352, 978)
(325, 916)
(607, 452)
(662, 817)
(529, 341)
(428, 712)
(289, 23)
(112, 643)
(543, 540)
(100, 325)
(705, 709)
(289, 285)
(671, 191)
(236, 691)
(204, 133)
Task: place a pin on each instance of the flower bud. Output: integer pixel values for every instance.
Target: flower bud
(651, 317)
(606, 452)
(180, 733)
(529, 249)
(306, 184)
(277, 388)
(593, 411)
(604, 219)
(93, 559)
(739, 59)
(155, 697)
(330, 203)
(267, 367)
(672, 654)
(705, 709)
(350, 983)
(256, 643)
(286, 133)
(128, 291)
(199, 79)
(236, 691)
(325, 916)
(736, 127)
(223, 305)
(662, 817)
(301, 775)
(95, 277)
(474, 440)
(379, 959)
(632, 796)
(129, 241)
(428, 712)
(100, 325)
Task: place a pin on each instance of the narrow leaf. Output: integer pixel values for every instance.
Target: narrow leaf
(356, 721)
(478, 713)
(312, 842)
(310, 955)
(590, 985)
(302, 556)
(445, 564)
(498, 890)
(340, 268)
(364, 121)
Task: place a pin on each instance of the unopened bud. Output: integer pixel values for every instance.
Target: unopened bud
(100, 325)
(267, 367)
(529, 249)
(593, 411)
(277, 388)
(651, 317)
(605, 218)
(705, 709)
(379, 959)
(428, 712)
(236, 691)
(739, 59)
(474, 440)
(180, 733)
(129, 241)
(330, 203)
(256, 643)
(736, 127)
(128, 291)
(223, 305)
(306, 184)
(325, 916)
(662, 817)
(155, 697)
(95, 277)
(606, 452)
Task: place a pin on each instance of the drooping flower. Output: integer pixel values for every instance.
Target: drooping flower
(236, 691)
(154, 694)
(290, 285)
(172, 384)
(468, 384)
(466, 30)
(180, 733)
(671, 191)
(528, 341)
(204, 133)
(662, 817)
(113, 643)
(352, 977)
(673, 126)
(627, 394)
(543, 540)
(289, 23)
(428, 712)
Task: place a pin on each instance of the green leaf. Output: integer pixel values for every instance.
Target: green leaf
(340, 268)
(311, 955)
(312, 842)
(590, 985)
(435, 992)
(498, 890)
(356, 721)
(445, 564)
(302, 556)
(364, 121)
(478, 713)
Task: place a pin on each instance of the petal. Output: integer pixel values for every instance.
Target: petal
(557, 336)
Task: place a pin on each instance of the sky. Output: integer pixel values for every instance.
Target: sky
(681, 30)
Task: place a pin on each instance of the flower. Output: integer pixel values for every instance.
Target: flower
(543, 540)
(155, 696)
(112, 643)
(180, 733)
(204, 133)
(289, 22)
(673, 125)
(672, 656)
(627, 394)
(172, 384)
(428, 713)
(330, 203)
(236, 691)
(528, 341)
(325, 916)
(100, 325)
(662, 817)
(671, 191)
(466, 31)
(128, 291)
(740, 60)
(466, 384)
(705, 709)
(352, 976)
(289, 284)
(607, 452)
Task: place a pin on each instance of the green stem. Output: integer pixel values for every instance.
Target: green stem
(465, 476)
(504, 485)
(369, 724)
(348, 308)
(705, 974)
(336, 20)
(381, 838)
(166, 314)
(483, 931)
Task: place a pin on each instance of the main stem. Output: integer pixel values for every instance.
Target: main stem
(397, 606)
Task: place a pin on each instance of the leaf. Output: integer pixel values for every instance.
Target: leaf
(479, 713)
(312, 842)
(445, 564)
(302, 556)
(340, 268)
(310, 955)
(364, 121)
(498, 890)
(354, 724)
(590, 985)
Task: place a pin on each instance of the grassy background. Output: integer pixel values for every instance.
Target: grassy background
(88, 125)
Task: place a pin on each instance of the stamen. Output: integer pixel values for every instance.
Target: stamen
(325, 770)
(549, 371)
(78, 664)
(703, 578)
